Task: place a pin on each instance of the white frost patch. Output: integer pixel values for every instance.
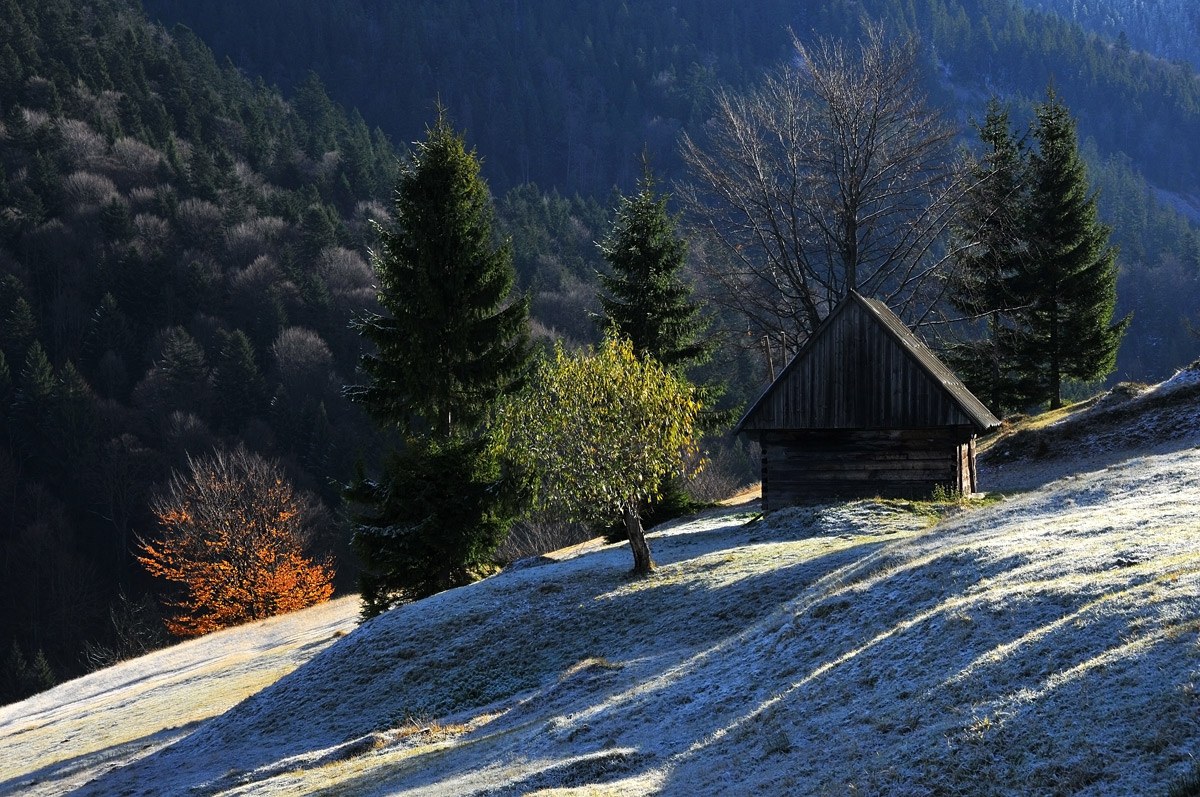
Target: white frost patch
(1185, 377)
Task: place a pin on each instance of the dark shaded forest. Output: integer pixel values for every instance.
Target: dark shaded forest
(180, 250)
(185, 236)
(568, 100)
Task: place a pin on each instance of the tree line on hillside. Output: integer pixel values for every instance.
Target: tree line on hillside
(571, 95)
(1168, 28)
(180, 249)
(571, 98)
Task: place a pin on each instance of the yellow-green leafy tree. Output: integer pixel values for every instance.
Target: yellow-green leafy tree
(232, 539)
(595, 432)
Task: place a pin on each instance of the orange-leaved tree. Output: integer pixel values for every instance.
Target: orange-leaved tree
(233, 533)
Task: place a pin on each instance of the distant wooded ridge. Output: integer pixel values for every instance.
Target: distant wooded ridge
(566, 95)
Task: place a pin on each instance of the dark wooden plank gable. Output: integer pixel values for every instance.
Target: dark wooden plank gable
(864, 369)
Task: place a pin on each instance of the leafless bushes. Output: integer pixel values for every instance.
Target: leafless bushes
(348, 277)
(83, 189)
(199, 220)
(731, 467)
(83, 146)
(303, 361)
(536, 536)
(250, 239)
(135, 163)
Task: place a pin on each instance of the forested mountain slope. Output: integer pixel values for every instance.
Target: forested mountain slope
(1168, 28)
(567, 95)
(180, 251)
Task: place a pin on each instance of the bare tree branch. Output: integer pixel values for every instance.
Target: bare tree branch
(834, 174)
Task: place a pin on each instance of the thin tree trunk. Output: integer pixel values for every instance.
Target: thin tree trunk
(637, 539)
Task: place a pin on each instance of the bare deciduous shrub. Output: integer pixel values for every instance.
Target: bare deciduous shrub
(348, 277)
(262, 272)
(536, 536)
(136, 627)
(200, 221)
(540, 332)
(570, 311)
(143, 198)
(83, 146)
(303, 361)
(371, 211)
(101, 107)
(231, 133)
(328, 165)
(248, 240)
(135, 163)
(35, 120)
(87, 188)
(185, 433)
(732, 466)
(254, 180)
(151, 232)
(261, 292)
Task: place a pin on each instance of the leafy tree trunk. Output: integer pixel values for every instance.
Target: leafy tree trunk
(642, 563)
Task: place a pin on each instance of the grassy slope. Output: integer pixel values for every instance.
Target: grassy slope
(1043, 644)
(60, 739)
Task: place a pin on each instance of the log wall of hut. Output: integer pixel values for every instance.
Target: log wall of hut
(818, 465)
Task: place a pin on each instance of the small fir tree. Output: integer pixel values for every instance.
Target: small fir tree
(432, 522)
(991, 256)
(645, 298)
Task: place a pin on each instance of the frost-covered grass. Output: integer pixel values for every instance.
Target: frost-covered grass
(62, 738)
(1042, 644)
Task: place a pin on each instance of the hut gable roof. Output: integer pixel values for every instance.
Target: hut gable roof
(864, 369)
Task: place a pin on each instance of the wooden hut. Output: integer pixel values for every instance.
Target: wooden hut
(865, 409)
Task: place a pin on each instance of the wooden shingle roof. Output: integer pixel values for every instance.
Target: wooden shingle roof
(863, 368)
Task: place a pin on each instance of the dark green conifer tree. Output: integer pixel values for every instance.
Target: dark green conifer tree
(645, 297)
(449, 343)
(991, 253)
(239, 388)
(1071, 274)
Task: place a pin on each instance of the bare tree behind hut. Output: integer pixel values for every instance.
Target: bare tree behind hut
(834, 174)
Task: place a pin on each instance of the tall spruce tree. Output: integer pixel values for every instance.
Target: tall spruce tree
(992, 252)
(1071, 274)
(449, 343)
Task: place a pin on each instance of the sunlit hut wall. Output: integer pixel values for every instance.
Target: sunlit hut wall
(865, 409)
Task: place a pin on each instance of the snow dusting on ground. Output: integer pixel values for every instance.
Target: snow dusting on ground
(1045, 643)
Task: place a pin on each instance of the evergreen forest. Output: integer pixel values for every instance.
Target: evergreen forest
(187, 194)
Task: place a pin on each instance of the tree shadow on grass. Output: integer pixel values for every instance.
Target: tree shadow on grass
(78, 771)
